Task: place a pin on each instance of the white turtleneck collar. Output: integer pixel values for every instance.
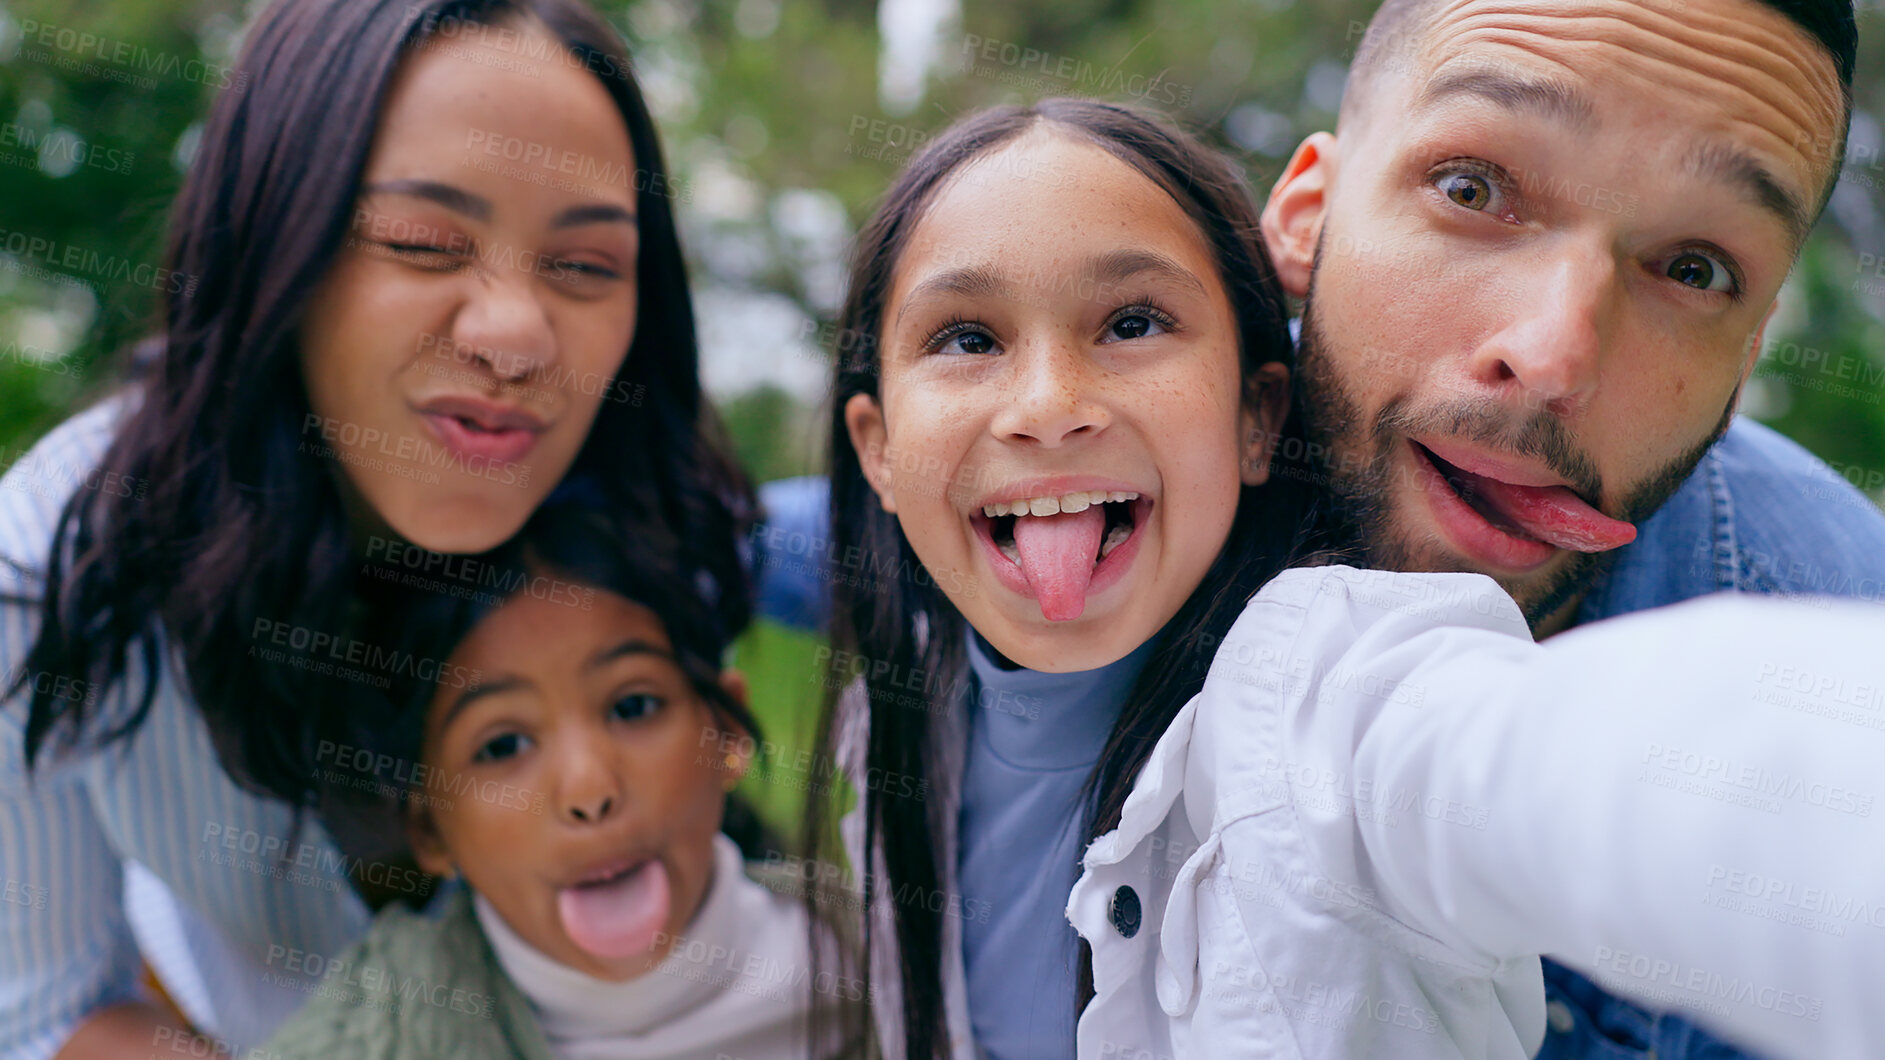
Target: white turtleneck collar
(737, 982)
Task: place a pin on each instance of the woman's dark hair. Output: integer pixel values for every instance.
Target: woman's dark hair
(240, 532)
(908, 625)
(565, 553)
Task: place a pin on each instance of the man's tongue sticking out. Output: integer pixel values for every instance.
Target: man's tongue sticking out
(1556, 515)
(1057, 557)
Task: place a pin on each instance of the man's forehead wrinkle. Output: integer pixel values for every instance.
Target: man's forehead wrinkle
(1514, 92)
(1712, 56)
(1726, 46)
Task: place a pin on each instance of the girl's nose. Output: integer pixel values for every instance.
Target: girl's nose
(1055, 397)
(590, 789)
(595, 810)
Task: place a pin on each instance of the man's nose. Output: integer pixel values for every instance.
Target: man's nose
(1055, 394)
(1560, 319)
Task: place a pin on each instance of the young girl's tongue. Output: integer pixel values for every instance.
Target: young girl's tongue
(1057, 557)
(619, 917)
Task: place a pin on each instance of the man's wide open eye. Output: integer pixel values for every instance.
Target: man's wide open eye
(1470, 190)
(1475, 184)
(1704, 272)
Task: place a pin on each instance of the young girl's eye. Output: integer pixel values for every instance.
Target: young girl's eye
(1138, 322)
(500, 747)
(637, 705)
(961, 337)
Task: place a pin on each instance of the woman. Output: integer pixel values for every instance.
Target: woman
(435, 278)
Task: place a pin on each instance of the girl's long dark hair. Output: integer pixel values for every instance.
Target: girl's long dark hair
(908, 625)
(237, 527)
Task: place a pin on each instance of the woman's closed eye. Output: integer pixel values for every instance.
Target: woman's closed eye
(431, 257)
(636, 705)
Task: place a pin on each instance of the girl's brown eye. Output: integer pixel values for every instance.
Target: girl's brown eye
(974, 342)
(636, 705)
(498, 748)
(964, 340)
(1132, 327)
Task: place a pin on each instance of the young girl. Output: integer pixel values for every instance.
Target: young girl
(573, 768)
(1338, 818)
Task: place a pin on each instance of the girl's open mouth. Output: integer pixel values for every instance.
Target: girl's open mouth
(1060, 549)
(616, 912)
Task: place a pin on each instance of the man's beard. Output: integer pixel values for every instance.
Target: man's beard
(1357, 470)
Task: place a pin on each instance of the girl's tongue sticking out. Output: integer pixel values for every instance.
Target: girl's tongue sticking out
(617, 917)
(1057, 556)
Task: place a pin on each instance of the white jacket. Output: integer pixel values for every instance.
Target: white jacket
(1387, 801)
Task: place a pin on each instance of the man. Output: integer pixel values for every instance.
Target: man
(1538, 256)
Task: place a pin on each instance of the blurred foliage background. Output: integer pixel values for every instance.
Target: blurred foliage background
(786, 118)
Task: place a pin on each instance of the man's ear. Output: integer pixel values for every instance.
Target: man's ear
(1292, 219)
(864, 418)
(1261, 422)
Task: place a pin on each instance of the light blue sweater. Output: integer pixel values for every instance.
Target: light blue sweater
(1033, 738)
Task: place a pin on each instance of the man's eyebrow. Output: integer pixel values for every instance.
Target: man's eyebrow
(593, 213)
(1121, 265)
(458, 200)
(1727, 164)
(1541, 97)
(967, 281)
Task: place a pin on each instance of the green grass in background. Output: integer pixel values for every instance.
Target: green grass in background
(784, 675)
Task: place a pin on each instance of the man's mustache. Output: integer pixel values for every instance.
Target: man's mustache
(1536, 436)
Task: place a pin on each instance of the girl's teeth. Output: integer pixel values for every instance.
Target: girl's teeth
(1114, 538)
(1077, 501)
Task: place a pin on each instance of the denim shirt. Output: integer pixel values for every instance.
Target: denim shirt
(1759, 515)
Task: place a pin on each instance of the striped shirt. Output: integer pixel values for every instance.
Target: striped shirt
(71, 831)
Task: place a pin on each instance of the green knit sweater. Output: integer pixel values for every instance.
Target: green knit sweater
(416, 988)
